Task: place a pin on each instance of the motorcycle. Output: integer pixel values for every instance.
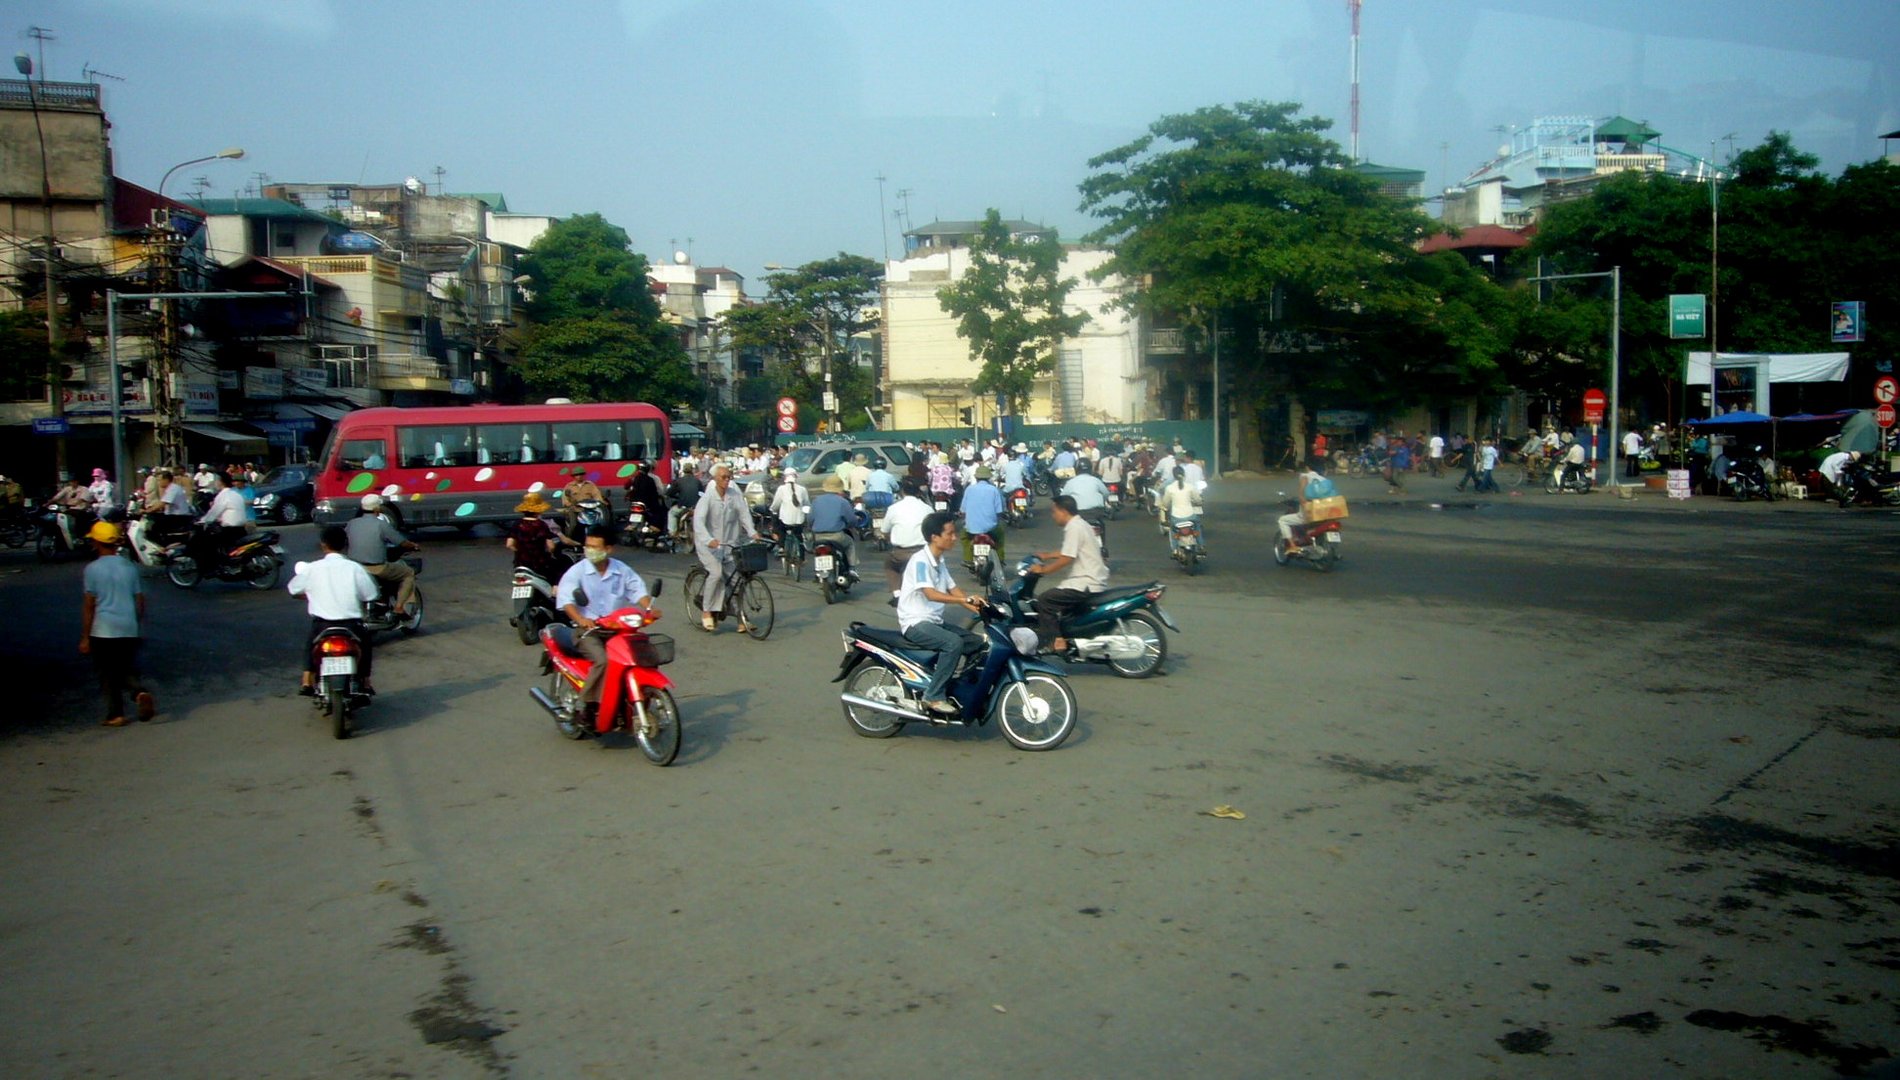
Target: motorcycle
(381, 613)
(1188, 550)
(1122, 627)
(338, 653)
(1017, 511)
(1114, 501)
(982, 564)
(60, 532)
(1317, 544)
(1570, 479)
(589, 513)
(831, 569)
(16, 528)
(535, 608)
(643, 534)
(148, 550)
(257, 560)
(635, 696)
(885, 676)
(1748, 480)
(1859, 484)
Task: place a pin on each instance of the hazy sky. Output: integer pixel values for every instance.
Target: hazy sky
(757, 127)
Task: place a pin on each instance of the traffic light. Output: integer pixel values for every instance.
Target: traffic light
(967, 414)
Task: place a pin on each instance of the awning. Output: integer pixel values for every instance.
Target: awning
(1782, 367)
(224, 435)
(688, 431)
(318, 409)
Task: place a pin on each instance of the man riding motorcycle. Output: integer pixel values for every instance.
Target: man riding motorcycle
(1081, 555)
(682, 495)
(597, 586)
(1090, 496)
(580, 490)
(225, 523)
(832, 516)
(373, 540)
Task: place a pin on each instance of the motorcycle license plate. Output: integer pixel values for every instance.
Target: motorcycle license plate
(1021, 503)
(981, 551)
(1332, 538)
(278, 548)
(522, 592)
(942, 505)
(822, 564)
(338, 665)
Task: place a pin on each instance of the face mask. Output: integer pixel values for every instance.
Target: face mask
(596, 555)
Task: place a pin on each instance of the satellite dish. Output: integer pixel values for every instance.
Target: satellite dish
(412, 184)
(680, 258)
(1504, 150)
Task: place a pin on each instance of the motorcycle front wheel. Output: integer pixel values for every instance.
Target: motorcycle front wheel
(183, 571)
(410, 622)
(1036, 713)
(528, 626)
(879, 684)
(1154, 641)
(15, 536)
(660, 744)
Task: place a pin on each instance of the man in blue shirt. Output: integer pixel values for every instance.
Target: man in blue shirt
(1091, 499)
(599, 585)
(1015, 472)
(880, 487)
(831, 515)
(109, 624)
(1063, 465)
(983, 513)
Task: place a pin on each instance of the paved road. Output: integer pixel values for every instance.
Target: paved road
(1611, 784)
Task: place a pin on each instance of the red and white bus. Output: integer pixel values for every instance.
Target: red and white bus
(461, 465)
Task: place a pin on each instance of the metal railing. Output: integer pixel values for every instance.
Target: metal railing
(49, 95)
(407, 367)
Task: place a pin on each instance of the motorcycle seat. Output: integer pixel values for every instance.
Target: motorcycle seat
(895, 641)
(1107, 596)
(561, 636)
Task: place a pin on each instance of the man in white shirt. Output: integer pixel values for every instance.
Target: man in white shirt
(1632, 454)
(205, 480)
(596, 586)
(1435, 453)
(1081, 555)
(335, 587)
(927, 587)
(225, 523)
(904, 524)
(1196, 475)
(1831, 467)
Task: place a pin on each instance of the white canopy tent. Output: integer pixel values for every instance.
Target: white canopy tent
(1741, 381)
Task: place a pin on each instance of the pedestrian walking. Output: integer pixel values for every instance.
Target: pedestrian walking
(1436, 450)
(1632, 454)
(1488, 464)
(110, 618)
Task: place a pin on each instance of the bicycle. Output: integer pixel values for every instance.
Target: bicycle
(791, 551)
(749, 599)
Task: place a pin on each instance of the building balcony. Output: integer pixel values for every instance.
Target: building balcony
(408, 373)
(1167, 341)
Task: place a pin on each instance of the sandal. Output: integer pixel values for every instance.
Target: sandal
(706, 623)
(116, 721)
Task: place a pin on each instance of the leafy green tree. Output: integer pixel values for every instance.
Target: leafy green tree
(1248, 216)
(808, 314)
(1009, 307)
(596, 332)
(23, 356)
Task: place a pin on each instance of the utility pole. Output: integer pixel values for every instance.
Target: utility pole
(55, 369)
(167, 381)
(883, 223)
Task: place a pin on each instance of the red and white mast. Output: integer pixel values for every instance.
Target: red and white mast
(1353, 6)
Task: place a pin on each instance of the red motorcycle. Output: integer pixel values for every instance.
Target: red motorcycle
(635, 697)
(1017, 512)
(1317, 543)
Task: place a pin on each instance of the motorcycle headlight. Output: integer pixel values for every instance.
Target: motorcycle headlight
(1024, 639)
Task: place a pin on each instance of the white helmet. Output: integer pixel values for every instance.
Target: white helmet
(372, 502)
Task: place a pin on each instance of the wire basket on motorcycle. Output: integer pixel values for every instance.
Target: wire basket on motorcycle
(653, 650)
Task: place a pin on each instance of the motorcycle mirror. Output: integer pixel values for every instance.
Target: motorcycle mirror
(658, 587)
(580, 597)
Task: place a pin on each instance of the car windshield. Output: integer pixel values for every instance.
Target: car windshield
(800, 460)
(286, 476)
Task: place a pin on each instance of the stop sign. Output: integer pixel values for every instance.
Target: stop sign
(1593, 402)
(1884, 416)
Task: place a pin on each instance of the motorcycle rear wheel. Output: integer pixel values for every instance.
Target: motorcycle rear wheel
(568, 697)
(1154, 653)
(183, 571)
(1323, 557)
(663, 745)
(336, 690)
(1194, 562)
(879, 684)
(263, 571)
(15, 535)
(1036, 713)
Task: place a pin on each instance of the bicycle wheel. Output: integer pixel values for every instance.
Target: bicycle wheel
(754, 598)
(695, 584)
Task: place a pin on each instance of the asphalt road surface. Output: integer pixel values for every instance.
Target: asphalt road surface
(1534, 786)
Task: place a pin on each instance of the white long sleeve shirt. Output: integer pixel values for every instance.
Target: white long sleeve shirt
(228, 509)
(334, 586)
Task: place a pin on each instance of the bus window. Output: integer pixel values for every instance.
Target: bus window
(363, 454)
(642, 442)
(429, 447)
(511, 444)
(588, 440)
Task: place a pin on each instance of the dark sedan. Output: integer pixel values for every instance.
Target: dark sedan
(285, 495)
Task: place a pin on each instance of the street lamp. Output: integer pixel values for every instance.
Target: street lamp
(231, 152)
(24, 65)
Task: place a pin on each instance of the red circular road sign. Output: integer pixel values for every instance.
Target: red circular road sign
(1884, 416)
(1886, 390)
(787, 407)
(788, 425)
(1593, 403)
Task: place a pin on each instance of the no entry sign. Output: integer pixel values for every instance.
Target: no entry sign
(1593, 403)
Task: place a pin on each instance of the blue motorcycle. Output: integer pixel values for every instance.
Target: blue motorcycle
(1122, 627)
(885, 676)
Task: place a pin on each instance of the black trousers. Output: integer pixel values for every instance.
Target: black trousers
(1053, 606)
(317, 626)
(116, 661)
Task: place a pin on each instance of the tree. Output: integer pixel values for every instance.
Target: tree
(1249, 217)
(1009, 307)
(596, 331)
(23, 356)
(809, 315)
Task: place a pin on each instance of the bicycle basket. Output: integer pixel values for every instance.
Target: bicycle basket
(753, 557)
(655, 650)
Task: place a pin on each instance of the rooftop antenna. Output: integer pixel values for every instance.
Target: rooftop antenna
(903, 215)
(88, 73)
(884, 224)
(1353, 6)
(42, 35)
(440, 172)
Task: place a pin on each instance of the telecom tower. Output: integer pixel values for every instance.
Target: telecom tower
(1353, 6)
